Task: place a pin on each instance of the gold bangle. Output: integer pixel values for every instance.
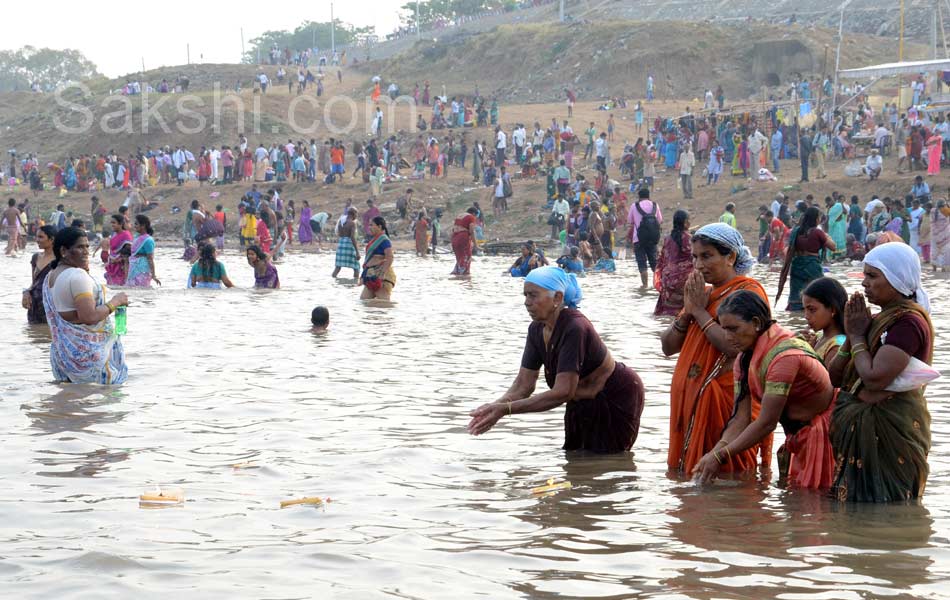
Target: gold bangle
(723, 442)
(718, 457)
(509, 409)
(709, 323)
(857, 351)
(110, 307)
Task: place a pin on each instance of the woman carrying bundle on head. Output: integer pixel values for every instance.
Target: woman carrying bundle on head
(604, 398)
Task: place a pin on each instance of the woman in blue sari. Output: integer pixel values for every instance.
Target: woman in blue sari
(670, 151)
(838, 226)
(378, 277)
(142, 261)
(84, 348)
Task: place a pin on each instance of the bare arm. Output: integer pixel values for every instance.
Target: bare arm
(879, 371)
(151, 267)
(87, 313)
(522, 387)
(226, 281)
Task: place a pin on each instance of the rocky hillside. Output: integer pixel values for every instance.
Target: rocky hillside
(534, 62)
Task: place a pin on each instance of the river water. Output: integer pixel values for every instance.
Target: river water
(372, 415)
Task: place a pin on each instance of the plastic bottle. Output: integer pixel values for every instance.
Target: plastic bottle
(120, 321)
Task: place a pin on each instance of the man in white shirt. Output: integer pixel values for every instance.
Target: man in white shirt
(215, 157)
(880, 137)
(600, 149)
(687, 162)
(559, 212)
(260, 153)
(518, 138)
(757, 142)
(874, 165)
(501, 144)
(262, 78)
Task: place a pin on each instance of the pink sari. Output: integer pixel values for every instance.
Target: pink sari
(117, 264)
(934, 149)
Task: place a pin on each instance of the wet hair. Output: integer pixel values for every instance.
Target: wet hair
(195, 204)
(206, 258)
(320, 317)
(381, 222)
(809, 220)
(679, 226)
(49, 231)
(65, 238)
(257, 251)
(144, 222)
(831, 294)
(747, 306)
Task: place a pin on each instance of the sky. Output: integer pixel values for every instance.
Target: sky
(118, 41)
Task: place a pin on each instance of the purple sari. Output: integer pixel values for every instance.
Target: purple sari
(304, 233)
(269, 279)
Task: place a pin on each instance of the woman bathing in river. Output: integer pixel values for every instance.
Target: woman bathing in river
(604, 398)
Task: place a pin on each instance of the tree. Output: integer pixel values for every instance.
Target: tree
(47, 67)
(308, 34)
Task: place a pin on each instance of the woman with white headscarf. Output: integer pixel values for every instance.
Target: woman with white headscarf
(604, 398)
(701, 395)
(881, 426)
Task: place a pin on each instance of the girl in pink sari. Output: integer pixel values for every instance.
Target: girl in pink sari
(934, 149)
(116, 258)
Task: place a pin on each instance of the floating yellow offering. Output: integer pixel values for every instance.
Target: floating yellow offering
(551, 487)
(314, 501)
(163, 497)
(244, 465)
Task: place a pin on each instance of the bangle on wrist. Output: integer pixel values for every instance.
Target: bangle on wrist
(509, 409)
(110, 307)
(709, 323)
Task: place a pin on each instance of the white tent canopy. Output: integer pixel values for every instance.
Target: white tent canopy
(911, 67)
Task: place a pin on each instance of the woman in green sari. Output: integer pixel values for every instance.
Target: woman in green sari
(802, 259)
(838, 226)
(880, 428)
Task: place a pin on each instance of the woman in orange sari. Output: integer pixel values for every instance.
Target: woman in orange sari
(701, 396)
(788, 379)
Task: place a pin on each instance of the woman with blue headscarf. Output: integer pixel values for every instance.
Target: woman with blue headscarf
(604, 398)
(701, 394)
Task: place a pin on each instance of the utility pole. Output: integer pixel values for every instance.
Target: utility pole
(561, 12)
(834, 89)
(143, 64)
(332, 28)
(242, 43)
(900, 58)
(188, 52)
(418, 23)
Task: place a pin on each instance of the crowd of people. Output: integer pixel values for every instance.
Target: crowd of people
(739, 373)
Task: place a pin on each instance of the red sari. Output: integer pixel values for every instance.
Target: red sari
(462, 244)
(784, 366)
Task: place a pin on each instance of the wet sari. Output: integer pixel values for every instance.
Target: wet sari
(140, 274)
(807, 449)
(881, 449)
(804, 269)
(37, 313)
(84, 353)
(701, 395)
(462, 245)
(117, 260)
(373, 276)
(672, 271)
(269, 280)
